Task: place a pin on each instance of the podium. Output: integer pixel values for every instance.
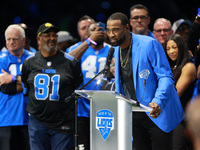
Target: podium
(110, 119)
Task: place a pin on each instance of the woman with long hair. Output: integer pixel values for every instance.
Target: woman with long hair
(184, 73)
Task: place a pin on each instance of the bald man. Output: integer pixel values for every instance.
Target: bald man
(162, 29)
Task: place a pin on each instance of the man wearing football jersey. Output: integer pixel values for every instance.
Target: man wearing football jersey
(92, 54)
(13, 116)
(48, 78)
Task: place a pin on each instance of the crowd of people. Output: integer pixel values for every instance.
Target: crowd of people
(35, 84)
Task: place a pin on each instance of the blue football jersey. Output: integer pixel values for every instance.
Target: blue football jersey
(13, 107)
(73, 47)
(92, 62)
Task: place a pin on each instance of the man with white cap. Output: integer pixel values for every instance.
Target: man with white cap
(182, 28)
(65, 40)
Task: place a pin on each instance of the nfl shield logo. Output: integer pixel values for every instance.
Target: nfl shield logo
(104, 122)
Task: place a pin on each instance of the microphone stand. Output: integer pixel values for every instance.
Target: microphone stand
(76, 96)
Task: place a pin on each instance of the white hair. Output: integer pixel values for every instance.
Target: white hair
(15, 26)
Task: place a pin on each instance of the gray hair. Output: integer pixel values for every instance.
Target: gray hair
(15, 26)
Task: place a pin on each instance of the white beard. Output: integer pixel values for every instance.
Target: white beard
(47, 48)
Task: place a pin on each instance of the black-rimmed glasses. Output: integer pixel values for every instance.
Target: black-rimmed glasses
(141, 17)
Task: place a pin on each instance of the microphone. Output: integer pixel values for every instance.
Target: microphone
(108, 61)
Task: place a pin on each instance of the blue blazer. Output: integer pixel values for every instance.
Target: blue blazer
(150, 63)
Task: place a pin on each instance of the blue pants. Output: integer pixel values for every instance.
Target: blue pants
(42, 138)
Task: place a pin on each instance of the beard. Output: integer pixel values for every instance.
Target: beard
(118, 42)
(48, 47)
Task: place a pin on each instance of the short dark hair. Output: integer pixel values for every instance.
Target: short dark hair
(119, 16)
(140, 6)
(84, 18)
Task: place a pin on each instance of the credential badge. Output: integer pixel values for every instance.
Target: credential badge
(104, 122)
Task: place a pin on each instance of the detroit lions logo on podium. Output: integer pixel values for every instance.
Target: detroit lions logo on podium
(104, 122)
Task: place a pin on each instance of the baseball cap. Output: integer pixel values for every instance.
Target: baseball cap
(179, 22)
(45, 27)
(64, 36)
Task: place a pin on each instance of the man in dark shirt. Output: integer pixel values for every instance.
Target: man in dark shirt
(49, 77)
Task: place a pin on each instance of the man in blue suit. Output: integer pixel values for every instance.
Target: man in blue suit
(142, 73)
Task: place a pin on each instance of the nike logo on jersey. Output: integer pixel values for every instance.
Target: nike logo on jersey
(48, 63)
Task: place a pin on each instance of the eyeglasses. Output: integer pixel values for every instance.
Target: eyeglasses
(164, 30)
(141, 17)
(49, 35)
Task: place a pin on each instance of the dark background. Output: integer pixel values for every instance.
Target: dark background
(65, 14)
